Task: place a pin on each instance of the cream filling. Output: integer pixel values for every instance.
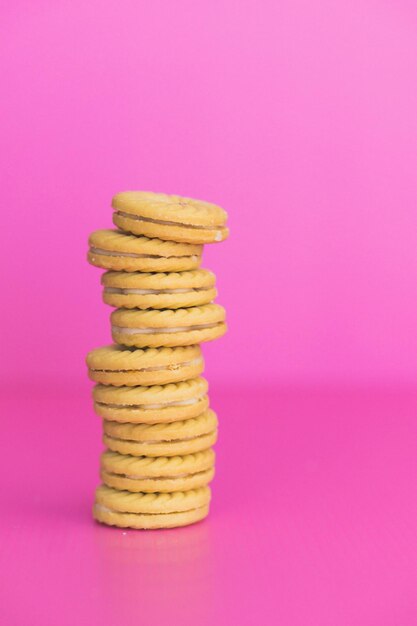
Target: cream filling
(105, 509)
(158, 292)
(130, 477)
(176, 329)
(160, 368)
(166, 223)
(161, 441)
(173, 477)
(138, 256)
(152, 406)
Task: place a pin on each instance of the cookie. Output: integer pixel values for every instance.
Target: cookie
(152, 405)
(172, 290)
(150, 510)
(119, 365)
(172, 439)
(172, 218)
(157, 474)
(114, 250)
(168, 327)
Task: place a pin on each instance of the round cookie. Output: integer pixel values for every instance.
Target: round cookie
(157, 474)
(150, 510)
(172, 439)
(152, 405)
(169, 217)
(114, 250)
(172, 290)
(168, 327)
(120, 365)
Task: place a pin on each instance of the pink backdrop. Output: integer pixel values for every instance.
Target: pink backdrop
(299, 117)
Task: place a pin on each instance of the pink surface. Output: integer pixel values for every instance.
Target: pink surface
(298, 117)
(313, 518)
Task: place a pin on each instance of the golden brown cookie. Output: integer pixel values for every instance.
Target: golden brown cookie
(169, 217)
(172, 439)
(157, 474)
(172, 290)
(115, 250)
(120, 365)
(168, 327)
(150, 510)
(154, 404)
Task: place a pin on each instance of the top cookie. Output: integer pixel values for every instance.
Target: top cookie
(169, 217)
(112, 249)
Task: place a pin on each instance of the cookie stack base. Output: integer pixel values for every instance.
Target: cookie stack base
(150, 510)
(146, 521)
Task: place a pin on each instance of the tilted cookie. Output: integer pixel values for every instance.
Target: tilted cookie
(157, 474)
(152, 405)
(168, 327)
(172, 439)
(114, 250)
(119, 365)
(169, 217)
(150, 510)
(171, 290)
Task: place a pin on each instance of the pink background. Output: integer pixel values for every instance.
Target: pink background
(300, 119)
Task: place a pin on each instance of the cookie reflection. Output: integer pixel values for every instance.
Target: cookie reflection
(139, 570)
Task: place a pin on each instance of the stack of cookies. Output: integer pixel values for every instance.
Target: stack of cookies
(158, 428)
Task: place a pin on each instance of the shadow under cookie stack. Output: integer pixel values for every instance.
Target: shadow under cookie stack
(157, 425)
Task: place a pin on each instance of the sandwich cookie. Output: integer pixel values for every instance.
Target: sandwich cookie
(114, 250)
(119, 365)
(157, 474)
(172, 290)
(169, 217)
(150, 510)
(168, 327)
(172, 439)
(152, 405)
